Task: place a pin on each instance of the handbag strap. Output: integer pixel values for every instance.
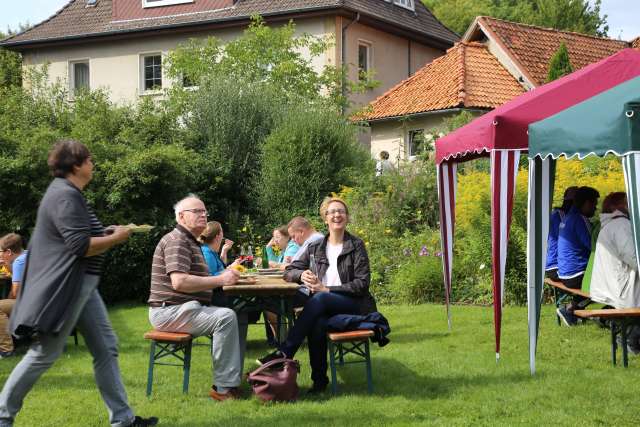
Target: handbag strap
(282, 360)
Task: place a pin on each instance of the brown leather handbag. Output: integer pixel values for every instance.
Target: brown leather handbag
(276, 381)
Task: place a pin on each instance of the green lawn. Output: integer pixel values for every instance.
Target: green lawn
(426, 376)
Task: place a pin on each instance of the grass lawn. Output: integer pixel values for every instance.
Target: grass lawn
(425, 376)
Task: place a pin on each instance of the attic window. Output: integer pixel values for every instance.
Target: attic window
(408, 4)
(157, 3)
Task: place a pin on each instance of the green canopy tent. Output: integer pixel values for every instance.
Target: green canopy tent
(608, 123)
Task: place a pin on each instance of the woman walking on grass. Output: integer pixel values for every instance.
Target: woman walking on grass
(59, 290)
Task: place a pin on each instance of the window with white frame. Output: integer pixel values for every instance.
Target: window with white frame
(156, 3)
(151, 76)
(79, 77)
(408, 4)
(364, 60)
(416, 142)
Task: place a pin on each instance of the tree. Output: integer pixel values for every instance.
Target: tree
(560, 65)
(10, 66)
(571, 15)
(269, 56)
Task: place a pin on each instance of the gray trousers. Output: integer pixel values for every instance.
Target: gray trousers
(228, 332)
(92, 320)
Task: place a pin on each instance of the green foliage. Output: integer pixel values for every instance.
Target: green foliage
(560, 64)
(10, 66)
(268, 56)
(228, 124)
(581, 16)
(309, 154)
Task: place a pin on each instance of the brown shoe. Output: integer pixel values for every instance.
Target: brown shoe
(232, 394)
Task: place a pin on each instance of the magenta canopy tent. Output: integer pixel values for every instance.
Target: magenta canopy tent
(502, 135)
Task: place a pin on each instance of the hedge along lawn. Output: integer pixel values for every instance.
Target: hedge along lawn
(425, 376)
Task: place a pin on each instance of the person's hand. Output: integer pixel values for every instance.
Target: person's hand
(227, 245)
(234, 263)
(120, 233)
(318, 287)
(229, 277)
(309, 279)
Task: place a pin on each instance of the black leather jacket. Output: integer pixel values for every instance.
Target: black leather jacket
(353, 269)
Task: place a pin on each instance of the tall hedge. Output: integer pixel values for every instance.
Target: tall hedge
(311, 153)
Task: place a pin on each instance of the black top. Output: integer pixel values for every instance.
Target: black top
(94, 263)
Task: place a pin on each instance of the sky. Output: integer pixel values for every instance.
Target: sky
(623, 15)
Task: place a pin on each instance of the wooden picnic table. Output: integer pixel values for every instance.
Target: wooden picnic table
(266, 294)
(619, 319)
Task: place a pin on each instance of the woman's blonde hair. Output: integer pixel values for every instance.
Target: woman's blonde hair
(324, 206)
(211, 232)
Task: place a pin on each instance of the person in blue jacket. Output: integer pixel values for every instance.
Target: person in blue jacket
(574, 247)
(557, 216)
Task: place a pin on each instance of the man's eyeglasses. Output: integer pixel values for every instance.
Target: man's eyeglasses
(336, 211)
(197, 211)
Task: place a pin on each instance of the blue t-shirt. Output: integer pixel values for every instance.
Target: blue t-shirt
(290, 250)
(574, 244)
(216, 266)
(557, 215)
(17, 268)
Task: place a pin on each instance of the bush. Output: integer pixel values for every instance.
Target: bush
(418, 282)
(307, 156)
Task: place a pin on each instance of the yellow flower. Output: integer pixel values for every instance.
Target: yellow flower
(244, 229)
(387, 231)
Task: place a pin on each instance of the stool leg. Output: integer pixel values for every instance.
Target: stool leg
(368, 363)
(332, 363)
(341, 354)
(623, 332)
(152, 358)
(75, 336)
(186, 367)
(614, 344)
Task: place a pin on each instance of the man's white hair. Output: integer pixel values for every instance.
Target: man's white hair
(178, 207)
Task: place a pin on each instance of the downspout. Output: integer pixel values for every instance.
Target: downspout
(408, 57)
(343, 54)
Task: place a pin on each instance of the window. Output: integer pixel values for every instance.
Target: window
(405, 3)
(151, 72)
(416, 142)
(78, 77)
(364, 60)
(156, 3)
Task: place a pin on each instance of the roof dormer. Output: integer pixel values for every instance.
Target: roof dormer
(407, 4)
(125, 10)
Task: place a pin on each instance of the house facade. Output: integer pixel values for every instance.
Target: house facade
(119, 45)
(495, 62)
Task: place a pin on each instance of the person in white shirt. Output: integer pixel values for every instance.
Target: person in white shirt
(336, 271)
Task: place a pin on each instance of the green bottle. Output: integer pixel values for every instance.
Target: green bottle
(265, 258)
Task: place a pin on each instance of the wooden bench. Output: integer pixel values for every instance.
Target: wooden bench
(619, 320)
(349, 342)
(561, 293)
(175, 345)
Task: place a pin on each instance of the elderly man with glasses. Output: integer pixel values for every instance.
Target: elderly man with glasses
(181, 290)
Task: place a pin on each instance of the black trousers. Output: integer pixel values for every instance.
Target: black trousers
(577, 302)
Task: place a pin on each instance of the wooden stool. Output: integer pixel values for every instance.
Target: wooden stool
(349, 342)
(169, 344)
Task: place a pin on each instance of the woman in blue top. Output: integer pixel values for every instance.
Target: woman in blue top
(286, 248)
(211, 239)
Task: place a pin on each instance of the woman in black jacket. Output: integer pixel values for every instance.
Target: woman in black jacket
(335, 273)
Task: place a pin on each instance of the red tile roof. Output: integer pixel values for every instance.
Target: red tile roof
(76, 22)
(468, 76)
(532, 47)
